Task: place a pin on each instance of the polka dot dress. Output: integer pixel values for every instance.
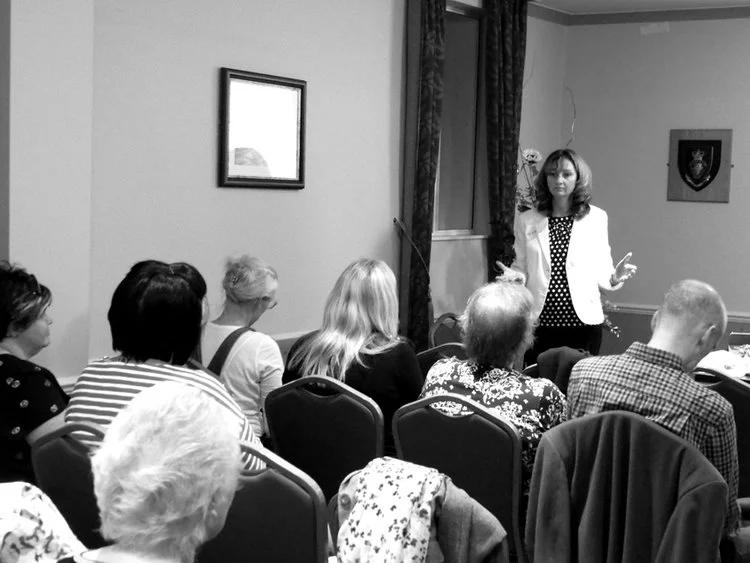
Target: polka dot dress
(558, 308)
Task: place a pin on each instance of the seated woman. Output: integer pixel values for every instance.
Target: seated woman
(31, 400)
(498, 329)
(252, 366)
(359, 343)
(155, 318)
(164, 484)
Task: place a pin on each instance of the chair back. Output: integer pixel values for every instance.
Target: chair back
(427, 358)
(737, 392)
(532, 371)
(480, 452)
(63, 471)
(444, 329)
(278, 515)
(616, 487)
(325, 428)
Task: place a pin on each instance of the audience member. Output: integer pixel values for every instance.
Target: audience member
(498, 328)
(164, 476)
(248, 363)
(653, 380)
(31, 400)
(359, 343)
(155, 319)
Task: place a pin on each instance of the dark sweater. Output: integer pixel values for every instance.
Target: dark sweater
(392, 379)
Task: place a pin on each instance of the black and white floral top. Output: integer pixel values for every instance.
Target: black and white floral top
(532, 405)
(29, 396)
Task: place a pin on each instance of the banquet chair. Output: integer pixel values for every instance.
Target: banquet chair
(278, 515)
(63, 471)
(480, 452)
(531, 370)
(444, 329)
(325, 428)
(617, 487)
(427, 358)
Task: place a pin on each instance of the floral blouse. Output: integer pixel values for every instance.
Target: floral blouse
(532, 405)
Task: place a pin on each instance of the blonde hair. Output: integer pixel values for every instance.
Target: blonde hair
(247, 278)
(158, 472)
(360, 319)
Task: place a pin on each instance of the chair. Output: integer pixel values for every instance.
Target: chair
(278, 515)
(325, 428)
(333, 518)
(531, 371)
(444, 329)
(480, 452)
(63, 471)
(616, 487)
(427, 358)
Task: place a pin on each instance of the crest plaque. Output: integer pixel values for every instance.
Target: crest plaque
(699, 165)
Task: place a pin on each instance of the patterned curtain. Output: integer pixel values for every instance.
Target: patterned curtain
(505, 55)
(427, 147)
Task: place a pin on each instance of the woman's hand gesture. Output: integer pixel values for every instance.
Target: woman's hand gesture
(624, 270)
(509, 274)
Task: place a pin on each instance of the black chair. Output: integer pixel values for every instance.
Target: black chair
(325, 428)
(63, 471)
(444, 329)
(531, 371)
(278, 515)
(480, 452)
(427, 358)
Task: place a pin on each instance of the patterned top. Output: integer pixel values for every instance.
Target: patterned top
(106, 386)
(29, 396)
(532, 405)
(558, 306)
(652, 383)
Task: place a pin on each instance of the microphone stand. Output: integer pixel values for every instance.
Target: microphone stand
(402, 231)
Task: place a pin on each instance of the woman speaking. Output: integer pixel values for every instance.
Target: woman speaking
(563, 257)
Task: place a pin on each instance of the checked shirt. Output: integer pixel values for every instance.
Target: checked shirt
(652, 383)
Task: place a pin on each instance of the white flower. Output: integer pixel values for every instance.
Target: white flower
(531, 156)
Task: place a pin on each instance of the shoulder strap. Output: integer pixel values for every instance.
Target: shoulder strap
(217, 362)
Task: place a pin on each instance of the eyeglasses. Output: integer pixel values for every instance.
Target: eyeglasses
(272, 300)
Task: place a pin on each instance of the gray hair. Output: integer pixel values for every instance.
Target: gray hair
(694, 303)
(247, 278)
(164, 463)
(498, 323)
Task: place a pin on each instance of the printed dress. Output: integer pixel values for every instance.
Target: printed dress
(532, 405)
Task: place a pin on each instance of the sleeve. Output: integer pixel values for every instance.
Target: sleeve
(605, 268)
(292, 372)
(519, 246)
(270, 367)
(31, 396)
(721, 450)
(409, 378)
(554, 409)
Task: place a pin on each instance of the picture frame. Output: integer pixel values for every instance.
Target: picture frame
(261, 130)
(700, 165)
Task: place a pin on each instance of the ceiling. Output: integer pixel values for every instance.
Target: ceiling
(615, 6)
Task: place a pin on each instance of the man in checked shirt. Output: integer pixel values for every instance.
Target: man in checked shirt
(652, 380)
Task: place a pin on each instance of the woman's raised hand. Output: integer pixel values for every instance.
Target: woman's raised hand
(624, 270)
(509, 274)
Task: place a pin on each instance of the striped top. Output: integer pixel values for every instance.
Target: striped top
(106, 386)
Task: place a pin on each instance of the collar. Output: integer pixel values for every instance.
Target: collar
(655, 356)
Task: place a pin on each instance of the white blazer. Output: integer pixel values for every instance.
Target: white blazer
(588, 264)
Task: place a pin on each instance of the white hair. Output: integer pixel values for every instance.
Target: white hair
(164, 463)
(247, 278)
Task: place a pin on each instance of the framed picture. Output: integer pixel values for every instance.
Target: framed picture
(261, 130)
(700, 163)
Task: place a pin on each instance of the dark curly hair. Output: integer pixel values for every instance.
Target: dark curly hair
(22, 299)
(580, 198)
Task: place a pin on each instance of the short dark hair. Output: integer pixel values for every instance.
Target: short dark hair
(22, 299)
(580, 199)
(155, 314)
(498, 324)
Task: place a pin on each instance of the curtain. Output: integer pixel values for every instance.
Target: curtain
(418, 213)
(505, 50)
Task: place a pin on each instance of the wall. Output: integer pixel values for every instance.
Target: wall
(51, 77)
(156, 76)
(4, 128)
(631, 87)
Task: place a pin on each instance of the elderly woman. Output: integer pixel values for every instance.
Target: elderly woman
(359, 343)
(164, 484)
(248, 363)
(498, 328)
(31, 400)
(155, 318)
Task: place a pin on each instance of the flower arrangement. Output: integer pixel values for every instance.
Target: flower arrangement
(526, 193)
